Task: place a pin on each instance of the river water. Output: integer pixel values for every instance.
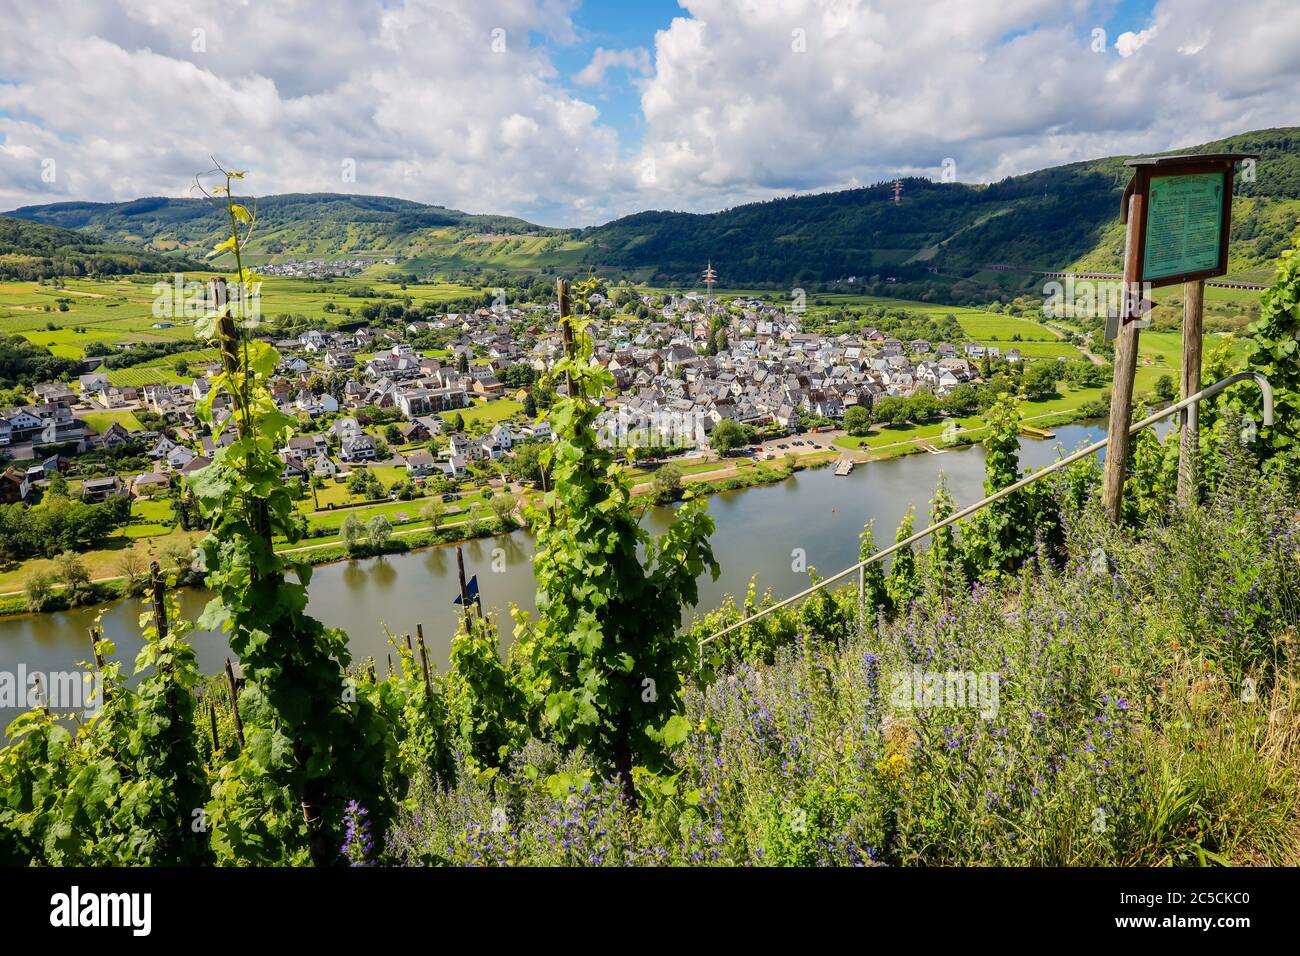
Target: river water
(758, 530)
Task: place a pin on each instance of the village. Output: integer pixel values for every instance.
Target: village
(370, 397)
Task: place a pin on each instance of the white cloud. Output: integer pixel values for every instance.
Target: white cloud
(129, 97)
(1129, 43)
(734, 111)
(602, 60)
(412, 91)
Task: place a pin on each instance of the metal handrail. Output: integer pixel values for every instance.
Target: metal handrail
(1265, 388)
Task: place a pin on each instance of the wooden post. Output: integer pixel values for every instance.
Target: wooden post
(234, 703)
(1189, 448)
(1126, 349)
(157, 589)
(566, 328)
(99, 661)
(212, 722)
(424, 659)
(464, 591)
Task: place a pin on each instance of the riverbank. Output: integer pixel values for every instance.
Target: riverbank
(730, 474)
(766, 536)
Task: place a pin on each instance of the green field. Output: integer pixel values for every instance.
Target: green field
(99, 422)
(488, 413)
(114, 311)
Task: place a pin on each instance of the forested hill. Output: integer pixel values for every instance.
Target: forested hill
(1066, 215)
(30, 250)
(290, 225)
(940, 234)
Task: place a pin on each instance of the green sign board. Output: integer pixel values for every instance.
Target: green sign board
(1184, 225)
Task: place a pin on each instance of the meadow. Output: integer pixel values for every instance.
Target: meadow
(1143, 714)
(120, 311)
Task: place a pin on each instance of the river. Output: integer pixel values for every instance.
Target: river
(758, 530)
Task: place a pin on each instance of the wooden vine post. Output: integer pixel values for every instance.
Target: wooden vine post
(234, 703)
(424, 660)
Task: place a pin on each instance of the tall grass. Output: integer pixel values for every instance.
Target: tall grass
(1146, 713)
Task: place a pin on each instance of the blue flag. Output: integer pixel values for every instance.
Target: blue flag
(471, 589)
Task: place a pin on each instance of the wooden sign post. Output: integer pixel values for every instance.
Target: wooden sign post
(1189, 440)
(1178, 212)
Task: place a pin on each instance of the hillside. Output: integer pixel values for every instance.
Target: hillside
(291, 225)
(31, 250)
(1054, 218)
(937, 242)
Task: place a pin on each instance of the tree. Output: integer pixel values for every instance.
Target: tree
(131, 567)
(456, 422)
(353, 533)
(942, 565)
(378, 531)
(857, 420)
(502, 505)
(393, 434)
(364, 483)
(922, 406)
(728, 435)
(71, 571)
(518, 375)
(58, 487)
(530, 405)
(39, 590)
(1040, 379)
(1273, 350)
(963, 400)
(434, 512)
(998, 537)
(462, 363)
(892, 410)
(666, 485)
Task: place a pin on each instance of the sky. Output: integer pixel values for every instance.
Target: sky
(571, 113)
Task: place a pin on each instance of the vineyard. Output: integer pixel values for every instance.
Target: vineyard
(1041, 687)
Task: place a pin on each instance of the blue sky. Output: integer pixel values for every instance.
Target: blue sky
(619, 26)
(629, 24)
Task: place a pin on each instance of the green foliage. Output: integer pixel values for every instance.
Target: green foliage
(858, 420)
(728, 435)
(605, 652)
(666, 485)
(943, 561)
(488, 705)
(313, 741)
(999, 537)
(875, 594)
(1273, 350)
(901, 585)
